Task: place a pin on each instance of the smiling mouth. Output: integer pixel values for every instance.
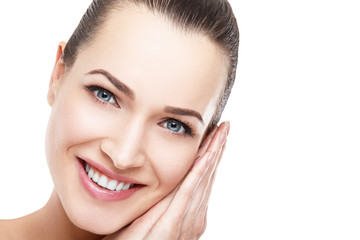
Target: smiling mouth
(105, 181)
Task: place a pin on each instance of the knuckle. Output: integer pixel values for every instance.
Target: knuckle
(198, 226)
(203, 227)
(199, 172)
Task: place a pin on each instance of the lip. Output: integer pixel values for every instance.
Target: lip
(101, 193)
(110, 173)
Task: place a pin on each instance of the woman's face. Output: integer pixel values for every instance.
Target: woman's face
(133, 108)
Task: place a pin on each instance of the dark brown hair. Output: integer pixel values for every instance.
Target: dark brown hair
(212, 18)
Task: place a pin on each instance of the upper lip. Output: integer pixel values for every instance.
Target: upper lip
(109, 173)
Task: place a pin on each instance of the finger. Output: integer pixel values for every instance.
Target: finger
(209, 135)
(206, 182)
(205, 200)
(208, 190)
(214, 140)
(204, 224)
(173, 217)
(203, 177)
(219, 138)
(170, 222)
(194, 216)
(205, 144)
(193, 221)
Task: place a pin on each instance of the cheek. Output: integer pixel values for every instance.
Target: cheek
(172, 160)
(73, 120)
(77, 120)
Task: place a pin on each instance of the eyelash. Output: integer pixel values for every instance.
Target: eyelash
(187, 127)
(93, 88)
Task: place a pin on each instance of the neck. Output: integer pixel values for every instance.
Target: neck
(50, 222)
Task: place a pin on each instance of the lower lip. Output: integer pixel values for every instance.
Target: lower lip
(101, 193)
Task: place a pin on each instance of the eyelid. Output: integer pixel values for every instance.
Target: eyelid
(187, 126)
(93, 88)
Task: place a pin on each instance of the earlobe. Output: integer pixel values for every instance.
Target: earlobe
(57, 73)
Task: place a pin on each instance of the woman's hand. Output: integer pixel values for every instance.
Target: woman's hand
(182, 213)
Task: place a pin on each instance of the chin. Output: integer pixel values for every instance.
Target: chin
(101, 218)
(96, 223)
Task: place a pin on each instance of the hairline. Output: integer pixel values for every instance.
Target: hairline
(177, 25)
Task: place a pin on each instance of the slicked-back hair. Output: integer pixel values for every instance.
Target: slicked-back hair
(212, 18)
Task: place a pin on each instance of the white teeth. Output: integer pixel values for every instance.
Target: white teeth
(91, 173)
(126, 186)
(95, 178)
(120, 186)
(103, 181)
(112, 185)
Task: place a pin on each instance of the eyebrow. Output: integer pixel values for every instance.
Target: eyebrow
(184, 111)
(130, 93)
(116, 82)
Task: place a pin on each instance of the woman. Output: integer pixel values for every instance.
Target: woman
(132, 141)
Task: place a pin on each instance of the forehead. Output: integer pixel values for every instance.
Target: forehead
(150, 54)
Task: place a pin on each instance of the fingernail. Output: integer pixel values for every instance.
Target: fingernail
(224, 134)
(228, 128)
(210, 157)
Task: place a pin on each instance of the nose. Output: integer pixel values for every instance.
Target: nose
(124, 146)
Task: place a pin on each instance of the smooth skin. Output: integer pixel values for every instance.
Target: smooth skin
(130, 135)
(182, 214)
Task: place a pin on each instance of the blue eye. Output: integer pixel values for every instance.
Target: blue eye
(174, 126)
(177, 127)
(104, 95)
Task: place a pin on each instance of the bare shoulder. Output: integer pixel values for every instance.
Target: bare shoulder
(6, 229)
(12, 229)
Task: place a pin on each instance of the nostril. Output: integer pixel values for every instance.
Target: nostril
(125, 149)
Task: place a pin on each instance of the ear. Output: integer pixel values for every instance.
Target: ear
(57, 74)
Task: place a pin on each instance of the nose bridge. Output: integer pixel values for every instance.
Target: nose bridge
(124, 144)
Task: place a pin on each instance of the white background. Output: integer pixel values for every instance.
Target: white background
(291, 170)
